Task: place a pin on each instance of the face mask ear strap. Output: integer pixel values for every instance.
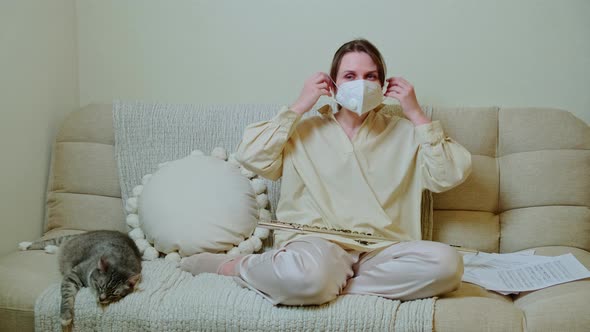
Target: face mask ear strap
(335, 85)
(338, 105)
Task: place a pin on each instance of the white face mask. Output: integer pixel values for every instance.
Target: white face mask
(359, 96)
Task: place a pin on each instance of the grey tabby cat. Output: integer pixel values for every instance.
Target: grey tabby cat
(106, 261)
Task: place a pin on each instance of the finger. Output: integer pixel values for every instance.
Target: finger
(398, 89)
(393, 94)
(403, 79)
(405, 82)
(400, 82)
(394, 85)
(322, 80)
(322, 77)
(389, 82)
(323, 85)
(394, 81)
(318, 77)
(330, 81)
(325, 92)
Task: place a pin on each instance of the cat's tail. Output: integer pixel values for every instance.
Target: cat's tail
(50, 246)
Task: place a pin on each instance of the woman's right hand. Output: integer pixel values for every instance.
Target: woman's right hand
(317, 85)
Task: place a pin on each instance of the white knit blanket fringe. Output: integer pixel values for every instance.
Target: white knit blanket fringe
(169, 299)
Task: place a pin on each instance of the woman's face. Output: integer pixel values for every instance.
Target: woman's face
(357, 66)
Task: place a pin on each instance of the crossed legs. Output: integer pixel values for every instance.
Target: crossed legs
(312, 270)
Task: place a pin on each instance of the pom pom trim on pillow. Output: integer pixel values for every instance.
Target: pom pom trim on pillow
(248, 246)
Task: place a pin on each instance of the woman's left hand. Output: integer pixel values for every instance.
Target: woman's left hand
(403, 91)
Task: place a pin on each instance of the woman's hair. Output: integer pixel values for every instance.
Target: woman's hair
(359, 45)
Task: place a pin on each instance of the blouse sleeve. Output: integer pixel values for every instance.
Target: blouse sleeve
(442, 162)
(261, 148)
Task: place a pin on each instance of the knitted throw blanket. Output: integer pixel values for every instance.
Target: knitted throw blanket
(147, 134)
(169, 299)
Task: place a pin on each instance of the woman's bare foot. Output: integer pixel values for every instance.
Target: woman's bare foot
(211, 263)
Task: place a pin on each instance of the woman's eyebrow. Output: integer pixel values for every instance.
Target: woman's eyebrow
(353, 72)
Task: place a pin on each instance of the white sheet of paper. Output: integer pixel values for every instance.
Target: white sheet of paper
(485, 261)
(492, 261)
(510, 273)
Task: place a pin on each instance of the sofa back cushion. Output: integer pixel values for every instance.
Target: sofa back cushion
(529, 185)
(467, 214)
(544, 197)
(83, 189)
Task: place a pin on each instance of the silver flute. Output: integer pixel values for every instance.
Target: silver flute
(362, 238)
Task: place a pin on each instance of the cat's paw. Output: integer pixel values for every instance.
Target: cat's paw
(66, 318)
(67, 328)
(24, 245)
(51, 249)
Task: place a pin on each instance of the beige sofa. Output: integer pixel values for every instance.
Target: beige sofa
(530, 188)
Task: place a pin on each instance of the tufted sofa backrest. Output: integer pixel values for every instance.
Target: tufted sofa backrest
(530, 185)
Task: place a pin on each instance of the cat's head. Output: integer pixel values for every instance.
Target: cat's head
(111, 283)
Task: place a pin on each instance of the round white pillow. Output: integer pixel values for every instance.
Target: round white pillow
(198, 204)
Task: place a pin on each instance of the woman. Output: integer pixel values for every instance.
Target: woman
(361, 170)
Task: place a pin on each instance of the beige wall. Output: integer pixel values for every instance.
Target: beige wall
(56, 55)
(455, 52)
(38, 86)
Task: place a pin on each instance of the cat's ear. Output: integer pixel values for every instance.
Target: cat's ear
(133, 280)
(103, 264)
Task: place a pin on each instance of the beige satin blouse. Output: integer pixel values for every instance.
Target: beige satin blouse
(372, 183)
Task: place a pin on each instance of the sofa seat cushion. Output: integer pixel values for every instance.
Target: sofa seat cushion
(473, 290)
(24, 275)
(461, 310)
(559, 308)
(475, 313)
(564, 307)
